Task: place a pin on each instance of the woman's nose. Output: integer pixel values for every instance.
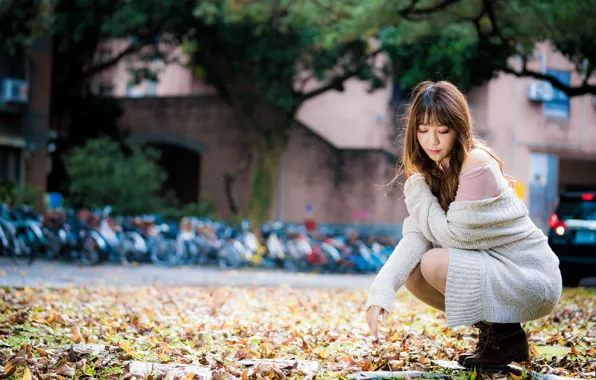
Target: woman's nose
(434, 138)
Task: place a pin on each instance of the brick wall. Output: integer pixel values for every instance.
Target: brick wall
(336, 182)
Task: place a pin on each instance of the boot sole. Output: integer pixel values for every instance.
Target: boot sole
(461, 360)
(493, 367)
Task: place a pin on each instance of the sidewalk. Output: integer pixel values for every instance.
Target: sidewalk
(57, 274)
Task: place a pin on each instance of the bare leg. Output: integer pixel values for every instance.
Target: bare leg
(434, 266)
(424, 291)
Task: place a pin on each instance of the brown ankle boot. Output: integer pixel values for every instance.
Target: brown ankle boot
(504, 343)
(482, 327)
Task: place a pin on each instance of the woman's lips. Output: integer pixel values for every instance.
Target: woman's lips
(435, 151)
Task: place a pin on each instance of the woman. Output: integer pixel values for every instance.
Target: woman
(469, 247)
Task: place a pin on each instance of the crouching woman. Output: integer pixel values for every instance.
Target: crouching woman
(469, 247)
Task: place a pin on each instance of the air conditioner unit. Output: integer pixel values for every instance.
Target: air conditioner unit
(541, 91)
(14, 91)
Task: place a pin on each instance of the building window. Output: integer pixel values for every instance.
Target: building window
(151, 88)
(558, 107)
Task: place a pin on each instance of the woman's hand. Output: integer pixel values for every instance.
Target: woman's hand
(372, 316)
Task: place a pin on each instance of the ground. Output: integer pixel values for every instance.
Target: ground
(217, 326)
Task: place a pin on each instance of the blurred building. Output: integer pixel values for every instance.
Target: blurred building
(201, 141)
(25, 80)
(546, 140)
(343, 145)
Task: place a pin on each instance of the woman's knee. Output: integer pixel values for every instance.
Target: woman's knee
(434, 264)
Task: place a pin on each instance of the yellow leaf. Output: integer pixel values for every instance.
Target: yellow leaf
(27, 374)
(324, 354)
(189, 376)
(514, 376)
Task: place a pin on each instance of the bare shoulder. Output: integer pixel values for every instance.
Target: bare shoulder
(476, 157)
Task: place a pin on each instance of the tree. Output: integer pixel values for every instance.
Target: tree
(267, 58)
(259, 55)
(254, 52)
(102, 173)
(147, 30)
(469, 41)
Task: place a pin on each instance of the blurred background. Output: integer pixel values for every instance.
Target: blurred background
(227, 119)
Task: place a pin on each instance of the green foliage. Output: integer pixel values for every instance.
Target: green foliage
(267, 47)
(566, 25)
(102, 173)
(453, 54)
(11, 193)
(90, 117)
(21, 21)
(468, 42)
(204, 209)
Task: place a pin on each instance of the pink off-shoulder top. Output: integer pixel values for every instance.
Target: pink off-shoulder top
(481, 181)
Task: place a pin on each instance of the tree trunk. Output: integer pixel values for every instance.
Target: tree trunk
(264, 181)
(229, 182)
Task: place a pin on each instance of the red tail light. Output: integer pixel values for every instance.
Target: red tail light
(587, 197)
(554, 219)
(557, 225)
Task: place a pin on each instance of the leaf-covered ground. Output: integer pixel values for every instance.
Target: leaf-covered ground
(217, 327)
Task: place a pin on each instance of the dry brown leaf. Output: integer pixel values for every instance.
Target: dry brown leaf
(278, 372)
(76, 336)
(41, 352)
(65, 370)
(257, 323)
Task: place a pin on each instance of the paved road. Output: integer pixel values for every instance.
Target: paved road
(55, 274)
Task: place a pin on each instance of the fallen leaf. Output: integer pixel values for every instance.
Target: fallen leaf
(65, 370)
(76, 334)
(41, 352)
(26, 374)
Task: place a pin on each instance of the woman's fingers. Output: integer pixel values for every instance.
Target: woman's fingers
(372, 316)
(385, 316)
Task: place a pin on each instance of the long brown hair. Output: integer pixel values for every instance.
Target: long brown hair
(440, 103)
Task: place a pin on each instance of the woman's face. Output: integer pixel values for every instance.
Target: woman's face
(437, 141)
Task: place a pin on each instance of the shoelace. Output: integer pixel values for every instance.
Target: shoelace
(487, 339)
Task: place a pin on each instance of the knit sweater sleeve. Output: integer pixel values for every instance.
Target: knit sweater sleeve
(395, 272)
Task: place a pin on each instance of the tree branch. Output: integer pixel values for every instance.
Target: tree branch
(303, 82)
(337, 82)
(570, 91)
(132, 48)
(490, 12)
(415, 14)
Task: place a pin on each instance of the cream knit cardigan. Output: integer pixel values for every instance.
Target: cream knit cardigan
(501, 268)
